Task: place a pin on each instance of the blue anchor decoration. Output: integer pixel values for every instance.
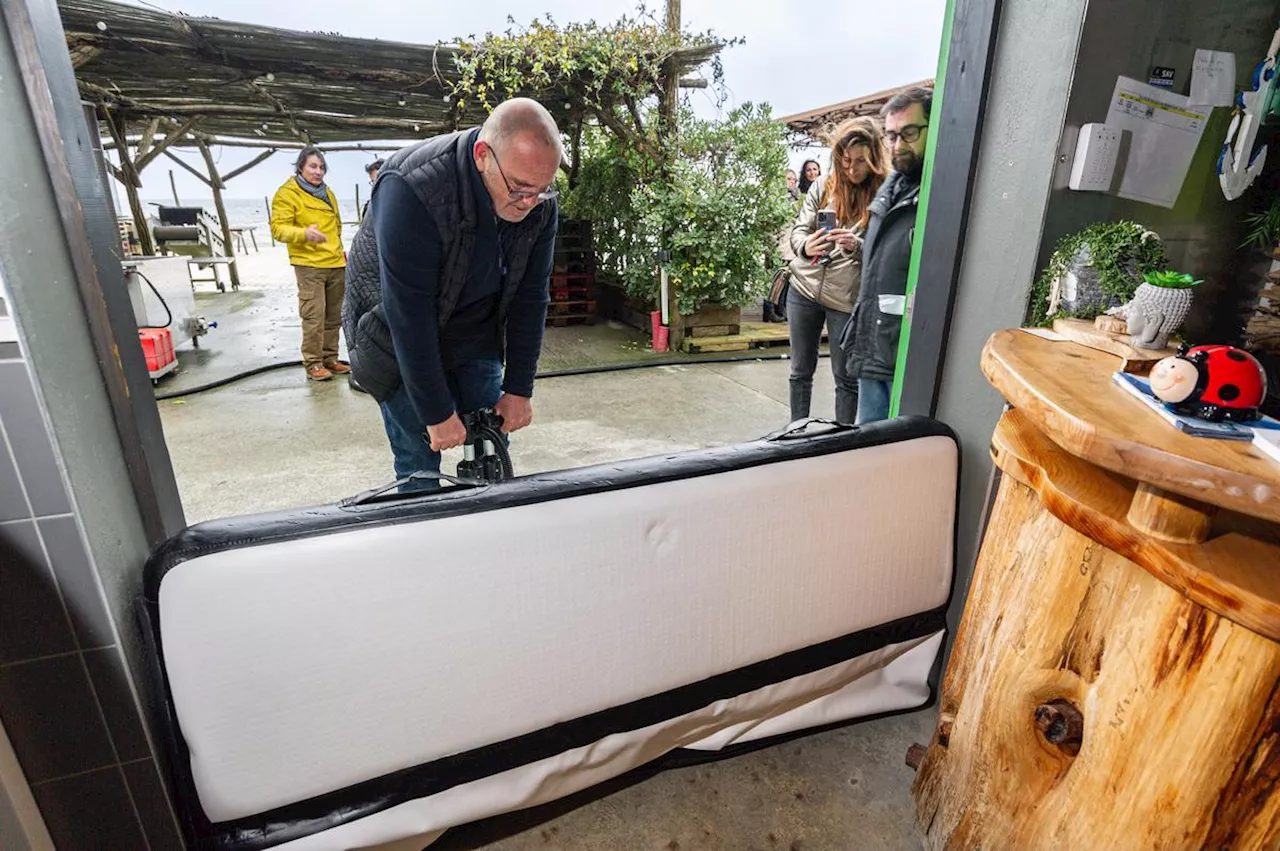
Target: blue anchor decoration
(1240, 161)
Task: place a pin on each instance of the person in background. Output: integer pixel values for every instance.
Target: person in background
(462, 242)
(372, 170)
(793, 185)
(827, 271)
(871, 339)
(770, 311)
(809, 172)
(304, 216)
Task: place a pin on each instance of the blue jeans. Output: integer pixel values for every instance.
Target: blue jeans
(873, 400)
(805, 318)
(473, 385)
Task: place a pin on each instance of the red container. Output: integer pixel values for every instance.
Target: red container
(660, 332)
(157, 347)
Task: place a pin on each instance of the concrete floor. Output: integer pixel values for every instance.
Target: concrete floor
(844, 790)
(278, 441)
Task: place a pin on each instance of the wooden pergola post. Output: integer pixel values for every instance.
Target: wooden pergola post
(671, 74)
(128, 174)
(669, 124)
(216, 184)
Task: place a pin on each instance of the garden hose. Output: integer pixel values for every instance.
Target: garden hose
(555, 373)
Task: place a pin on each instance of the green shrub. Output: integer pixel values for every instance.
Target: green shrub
(717, 204)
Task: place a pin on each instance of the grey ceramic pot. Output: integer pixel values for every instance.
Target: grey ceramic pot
(1155, 313)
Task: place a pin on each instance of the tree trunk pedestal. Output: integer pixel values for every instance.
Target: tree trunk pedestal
(1115, 681)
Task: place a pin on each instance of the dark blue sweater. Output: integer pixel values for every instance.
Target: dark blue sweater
(411, 255)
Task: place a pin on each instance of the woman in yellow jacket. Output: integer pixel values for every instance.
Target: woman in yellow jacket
(304, 216)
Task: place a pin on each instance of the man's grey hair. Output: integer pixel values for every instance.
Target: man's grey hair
(903, 100)
(521, 116)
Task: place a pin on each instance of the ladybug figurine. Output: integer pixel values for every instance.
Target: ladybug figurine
(1211, 382)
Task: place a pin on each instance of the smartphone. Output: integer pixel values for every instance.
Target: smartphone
(827, 219)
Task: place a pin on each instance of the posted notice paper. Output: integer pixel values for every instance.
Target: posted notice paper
(1213, 78)
(1165, 130)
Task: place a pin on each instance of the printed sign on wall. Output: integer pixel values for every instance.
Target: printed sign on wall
(1162, 77)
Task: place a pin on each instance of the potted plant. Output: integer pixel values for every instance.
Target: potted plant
(1159, 306)
(1094, 270)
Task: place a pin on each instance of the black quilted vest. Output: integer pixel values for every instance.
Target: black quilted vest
(437, 170)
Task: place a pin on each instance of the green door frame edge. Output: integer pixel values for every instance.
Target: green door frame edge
(951, 155)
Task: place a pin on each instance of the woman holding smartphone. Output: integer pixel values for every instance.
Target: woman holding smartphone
(827, 270)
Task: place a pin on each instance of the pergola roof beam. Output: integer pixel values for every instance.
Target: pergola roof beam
(236, 77)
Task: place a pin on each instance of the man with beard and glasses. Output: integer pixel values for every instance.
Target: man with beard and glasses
(871, 337)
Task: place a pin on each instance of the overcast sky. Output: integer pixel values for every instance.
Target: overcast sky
(795, 58)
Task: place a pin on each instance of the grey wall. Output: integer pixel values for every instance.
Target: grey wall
(21, 826)
(1034, 61)
(72, 543)
(1203, 229)
(66, 699)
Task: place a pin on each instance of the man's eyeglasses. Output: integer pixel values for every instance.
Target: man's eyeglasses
(909, 133)
(520, 194)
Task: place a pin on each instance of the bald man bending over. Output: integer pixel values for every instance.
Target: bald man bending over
(464, 227)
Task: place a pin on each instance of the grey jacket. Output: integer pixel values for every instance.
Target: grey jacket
(835, 285)
(870, 338)
(436, 170)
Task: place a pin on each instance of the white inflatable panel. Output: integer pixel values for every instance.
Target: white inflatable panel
(355, 675)
(306, 666)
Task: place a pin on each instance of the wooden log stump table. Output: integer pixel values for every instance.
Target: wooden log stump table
(1115, 682)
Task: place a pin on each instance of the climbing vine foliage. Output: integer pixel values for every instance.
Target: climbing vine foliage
(712, 196)
(601, 67)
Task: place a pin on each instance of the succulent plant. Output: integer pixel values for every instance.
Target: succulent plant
(1170, 280)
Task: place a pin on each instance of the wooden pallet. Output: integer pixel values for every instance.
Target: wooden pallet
(754, 335)
(573, 294)
(562, 321)
(581, 307)
(560, 280)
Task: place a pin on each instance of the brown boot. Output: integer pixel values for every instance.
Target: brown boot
(337, 367)
(318, 373)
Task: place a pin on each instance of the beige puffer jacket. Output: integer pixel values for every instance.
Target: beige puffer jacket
(835, 285)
